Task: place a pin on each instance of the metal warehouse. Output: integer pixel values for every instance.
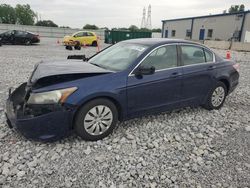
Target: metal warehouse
(225, 26)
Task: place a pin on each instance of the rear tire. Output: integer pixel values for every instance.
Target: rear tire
(94, 43)
(77, 47)
(27, 42)
(96, 119)
(216, 97)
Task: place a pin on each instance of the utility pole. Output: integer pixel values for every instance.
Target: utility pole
(149, 25)
(143, 21)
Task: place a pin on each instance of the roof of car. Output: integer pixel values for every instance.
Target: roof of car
(84, 31)
(159, 41)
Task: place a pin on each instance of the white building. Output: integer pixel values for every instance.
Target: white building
(214, 27)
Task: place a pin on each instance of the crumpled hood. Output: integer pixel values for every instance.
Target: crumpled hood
(67, 38)
(64, 67)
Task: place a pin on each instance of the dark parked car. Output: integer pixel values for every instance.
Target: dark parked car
(129, 79)
(19, 37)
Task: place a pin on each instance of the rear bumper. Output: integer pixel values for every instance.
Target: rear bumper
(50, 126)
(233, 87)
(35, 40)
(234, 82)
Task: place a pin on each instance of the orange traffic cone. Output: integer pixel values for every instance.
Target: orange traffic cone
(228, 56)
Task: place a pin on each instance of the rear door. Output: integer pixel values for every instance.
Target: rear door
(199, 71)
(159, 90)
(20, 36)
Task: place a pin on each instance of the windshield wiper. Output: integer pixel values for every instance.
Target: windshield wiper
(96, 65)
(107, 68)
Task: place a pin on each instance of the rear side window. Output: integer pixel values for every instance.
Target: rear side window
(81, 34)
(192, 55)
(162, 58)
(20, 33)
(209, 55)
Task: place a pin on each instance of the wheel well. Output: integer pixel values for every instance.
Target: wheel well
(116, 103)
(226, 82)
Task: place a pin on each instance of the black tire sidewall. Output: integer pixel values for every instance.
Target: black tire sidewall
(27, 42)
(79, 119)
(94, 43)
(209, 104)
(77, 45)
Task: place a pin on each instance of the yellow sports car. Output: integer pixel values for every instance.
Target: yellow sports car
(82, 38)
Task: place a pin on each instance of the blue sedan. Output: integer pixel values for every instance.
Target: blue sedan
(129, 79)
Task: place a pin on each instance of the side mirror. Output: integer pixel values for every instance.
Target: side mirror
(144, 70)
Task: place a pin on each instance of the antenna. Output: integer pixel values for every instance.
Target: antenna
(148, 25)
(143, 21)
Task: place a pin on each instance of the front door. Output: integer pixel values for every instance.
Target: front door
(8, 37)
(157, 91)
(202, 34)
(166, 33)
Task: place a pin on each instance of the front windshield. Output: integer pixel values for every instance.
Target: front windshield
(118, 57)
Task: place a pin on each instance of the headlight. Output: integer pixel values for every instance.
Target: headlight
(51, 97)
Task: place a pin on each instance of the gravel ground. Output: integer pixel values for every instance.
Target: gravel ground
(191, 147)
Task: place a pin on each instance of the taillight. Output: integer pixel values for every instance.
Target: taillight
(237, 67)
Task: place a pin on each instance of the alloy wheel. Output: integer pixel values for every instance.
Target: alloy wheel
(98, 120)
(218, 96)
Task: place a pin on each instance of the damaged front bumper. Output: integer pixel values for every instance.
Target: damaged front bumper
(38, 122)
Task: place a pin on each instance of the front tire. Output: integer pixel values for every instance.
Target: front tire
(77, 45)
(96, 119)
(216, 97)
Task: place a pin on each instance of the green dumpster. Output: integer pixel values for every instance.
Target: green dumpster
(114, 36)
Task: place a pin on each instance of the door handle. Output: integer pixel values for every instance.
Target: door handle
(175, 74)
(212, 67)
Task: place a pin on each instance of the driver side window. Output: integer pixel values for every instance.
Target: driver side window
(81, 34)
(8, 33)
(162, 58)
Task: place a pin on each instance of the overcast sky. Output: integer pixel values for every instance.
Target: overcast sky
(122, 13)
